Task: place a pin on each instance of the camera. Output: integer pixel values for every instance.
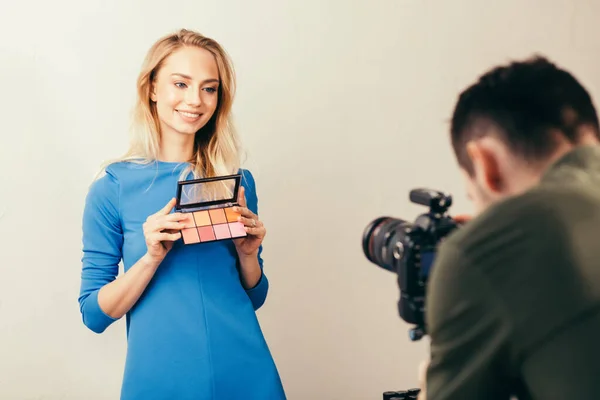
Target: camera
(409, 250)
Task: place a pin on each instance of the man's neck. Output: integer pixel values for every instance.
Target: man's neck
(525, 178)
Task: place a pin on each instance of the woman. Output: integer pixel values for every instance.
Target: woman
(192, 330)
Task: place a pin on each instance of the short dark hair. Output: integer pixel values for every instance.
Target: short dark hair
(527, 102)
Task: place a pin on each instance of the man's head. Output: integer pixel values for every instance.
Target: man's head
(514, 122)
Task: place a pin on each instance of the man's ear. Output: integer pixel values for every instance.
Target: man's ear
(485, 165)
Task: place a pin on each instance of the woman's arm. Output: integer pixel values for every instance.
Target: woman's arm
(117, 298)
(249, 249)
(160, 231)
(250, 271)
(102, 243)
(103, 298)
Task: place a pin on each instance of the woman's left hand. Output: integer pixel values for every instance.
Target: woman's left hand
(248, 246)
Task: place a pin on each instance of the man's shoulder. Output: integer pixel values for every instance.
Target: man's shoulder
(480, 261)
(510, 222)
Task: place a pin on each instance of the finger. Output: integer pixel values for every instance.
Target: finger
(176, 217)
(245, 212)
(423, 371)
(242, 196)
(164, 237)
(175, 226)
(461, 219)
(258, 231)
(251, 222)
(423, 367)
(167, 209)
(161, 225)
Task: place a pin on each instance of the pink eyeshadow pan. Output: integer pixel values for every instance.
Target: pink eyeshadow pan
(190, 235)
(206, 233)
(237, 229)
(222, 231)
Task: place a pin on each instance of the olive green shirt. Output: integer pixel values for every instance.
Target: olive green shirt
(513, 304)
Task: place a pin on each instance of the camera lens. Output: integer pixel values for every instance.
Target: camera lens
(383, 241)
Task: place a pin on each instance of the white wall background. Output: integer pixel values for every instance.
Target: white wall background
(343, 106)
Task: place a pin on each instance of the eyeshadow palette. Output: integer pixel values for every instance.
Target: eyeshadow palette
(208, 204)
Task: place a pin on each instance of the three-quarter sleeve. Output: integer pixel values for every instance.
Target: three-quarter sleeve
(258, 293)
(102, 244)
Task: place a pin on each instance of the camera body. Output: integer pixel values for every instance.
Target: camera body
(409, 250)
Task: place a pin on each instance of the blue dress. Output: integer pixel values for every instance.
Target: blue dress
(193, 334)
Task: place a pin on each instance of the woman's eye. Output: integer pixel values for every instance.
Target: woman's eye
(210, 90)
(180, 85)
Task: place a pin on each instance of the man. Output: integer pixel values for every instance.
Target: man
(513, 305)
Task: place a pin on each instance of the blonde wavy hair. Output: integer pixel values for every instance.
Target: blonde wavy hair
(217, 150)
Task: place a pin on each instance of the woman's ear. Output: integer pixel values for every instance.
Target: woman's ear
(152, 92)
(485, 165)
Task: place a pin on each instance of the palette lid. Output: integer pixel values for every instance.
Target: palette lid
(208, 192)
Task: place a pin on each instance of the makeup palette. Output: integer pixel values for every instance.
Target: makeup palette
(208, 205)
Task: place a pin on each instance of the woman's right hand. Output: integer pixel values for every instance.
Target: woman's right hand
(161, 230)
